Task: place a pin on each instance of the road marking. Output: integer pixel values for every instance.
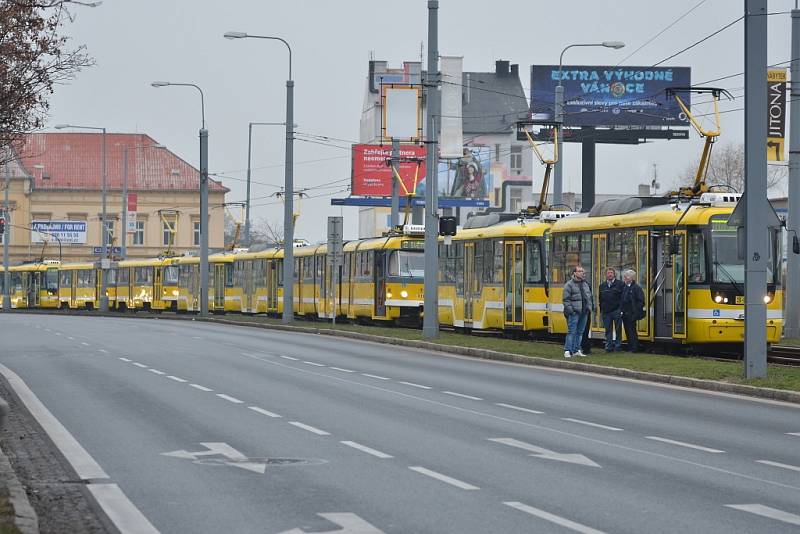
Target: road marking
(235, 458)
(589, 423)
(176, 379)
(229, 398)
(262, 411)
(375, 376)
(71, 338)
(444, 478)
(683, 444)
(547, 454)
(201, 388)
(47, 330)
(104, 351)
(196, 337)
(315, 364)
(518, 408)
(766, 511)
(124, 359)
(137, 364)
(309, 428)
(778, 464)
(58, 333)
(290, 358)
(350, 523)
(343, 370)
(368, 450)
(793, 433)
(547, 516)
(120, 510)
(413, 385)
(156, 371)
(453, 393)
(84, 343)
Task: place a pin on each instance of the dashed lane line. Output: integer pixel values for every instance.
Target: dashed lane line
(462, 395)
(124, 359)
(793, 433)
(342, 370)
(413, 385)
(444, 478)
(368, 450)
(778, 464)
(85, 344)
(290, 358)
(558, 520)
(262, 411)
(518, 408)
(229, 398)
(201, 388)
(766, 511)
(156, 371)
(589, 423)
(684, 444)
(309, 428)
(137, 364)
(71, 338)
(315, 364)
(57, 333)
(177, 379)
(375, 376)
(104, 351)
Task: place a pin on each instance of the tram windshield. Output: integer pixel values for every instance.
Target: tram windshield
(726, 265)
(407, 263)
(170, 276)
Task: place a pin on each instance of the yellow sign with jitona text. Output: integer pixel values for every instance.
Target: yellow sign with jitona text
(776, 114)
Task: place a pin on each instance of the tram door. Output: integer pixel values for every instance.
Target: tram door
(33, 289)
(219, 286)
(380, 283)
(513, 274)
(321, 300)
(468, 283)
(158, 284)
(644, 272)
(662, 285)
(598, 268)
(248, 305)
(73, 289)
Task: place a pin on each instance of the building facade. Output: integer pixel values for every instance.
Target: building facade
(56, 195)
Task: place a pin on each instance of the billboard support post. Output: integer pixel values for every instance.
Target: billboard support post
(430, 326)
(395, 161)
(559, 116)
(792, 322)
(588, 168)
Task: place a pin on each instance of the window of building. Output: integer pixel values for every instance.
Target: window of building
(196, 233)
(515, 202)
(109, 233)
(138, 233)
(516, 158)
(168, 231)
(497, 152)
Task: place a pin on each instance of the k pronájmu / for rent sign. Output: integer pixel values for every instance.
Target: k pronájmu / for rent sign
(68, 232)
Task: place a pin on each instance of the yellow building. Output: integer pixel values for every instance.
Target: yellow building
(56, 188)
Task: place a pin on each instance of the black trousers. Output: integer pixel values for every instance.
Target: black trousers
(586, 342)
(630, 332)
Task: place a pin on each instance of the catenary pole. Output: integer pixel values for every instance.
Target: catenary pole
(792, 300)
(6, 235)
(247, 196)
(755, 127)
(395, 217)
(203, 220)
(104, 231)
(124, 229)
(430, 325)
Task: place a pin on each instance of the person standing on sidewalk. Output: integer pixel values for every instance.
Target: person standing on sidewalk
(610, 292)
(578, 304)
(632, 306)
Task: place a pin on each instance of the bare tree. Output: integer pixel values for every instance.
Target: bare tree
(727, 169)
(34, 57)
(266, 232)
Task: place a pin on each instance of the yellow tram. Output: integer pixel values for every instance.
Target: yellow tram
(33, 285)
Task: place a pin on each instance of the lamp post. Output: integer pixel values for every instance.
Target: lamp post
(247, 241)
(559, 114)
(288, 207)
(124, 230)
(104, 262)
(203, 196)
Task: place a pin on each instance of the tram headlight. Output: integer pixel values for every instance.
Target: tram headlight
(718, 299)
(174, 292)
(404, 294)
(388, 294)
(767, 299)
(725, 300)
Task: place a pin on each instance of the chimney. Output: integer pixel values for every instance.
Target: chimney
(515, 70)
(501, 67)
(644, 190)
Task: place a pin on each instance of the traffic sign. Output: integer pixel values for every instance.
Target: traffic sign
(112, 250)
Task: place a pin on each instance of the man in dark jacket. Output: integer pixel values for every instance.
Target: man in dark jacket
(578, 304)
(610, 292)
(632, 307)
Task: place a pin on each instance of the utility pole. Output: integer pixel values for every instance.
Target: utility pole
(203, 220)
(430, 325)
(124, 229)
(755, 190)
(395, 164)
(6, 235)
(792, 294)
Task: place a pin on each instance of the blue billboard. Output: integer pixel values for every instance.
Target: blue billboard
(611, 96)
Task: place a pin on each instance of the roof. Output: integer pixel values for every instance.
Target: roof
(73, 161)
(493, 101)
(665, 215)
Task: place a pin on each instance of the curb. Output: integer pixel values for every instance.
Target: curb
(486, 354)
(25, 518)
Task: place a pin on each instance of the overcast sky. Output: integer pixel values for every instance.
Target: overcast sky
(139, 41)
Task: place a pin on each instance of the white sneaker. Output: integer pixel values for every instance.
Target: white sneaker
(580, 354)
(567, 354)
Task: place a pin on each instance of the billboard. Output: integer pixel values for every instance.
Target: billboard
(372, 177)
(73, 232)
(776, 116)
(469, 176)
(610, 96)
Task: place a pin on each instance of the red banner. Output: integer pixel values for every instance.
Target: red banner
(132, 198)
(372, 177)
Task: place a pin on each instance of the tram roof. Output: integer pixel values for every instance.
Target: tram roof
(512, 228)
(663, 215)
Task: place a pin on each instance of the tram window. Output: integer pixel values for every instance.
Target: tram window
(573, 243)
(727, 267)
(477, 273)
(697, 258)
(51, 280)
(368, 259)
(497, 271)
(144, 275)
(628, 250)
(65, 278)
(407, 263)
(170, 276)
(680, 290)
(279, 267)
(459, 263)
(111, 277)
(123, 276)
(16, 281)
(533, 265)
(86, 278)
(614, 252)
(228, 275)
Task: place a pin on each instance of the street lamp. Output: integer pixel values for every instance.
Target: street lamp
(203, 196)
(124, 232)
(104, 262)
(288, 206)
(559, 114)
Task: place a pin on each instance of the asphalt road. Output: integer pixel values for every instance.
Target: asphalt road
(211, 428)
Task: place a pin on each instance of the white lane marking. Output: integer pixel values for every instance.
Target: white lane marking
(84, 343)
(156, 371)
(453, 393)
(766, 511)
(547, 516)
(176, 379)
(58, 333)
(229, 398)
(443, 478)
(349, 523)
(684, 444)
(47, 330)
(124, 359)
(71, 338)
(343, 370)
(368, 450)
(201, 388)
(518, 408)
(315, 364)
(572, 435)
(290, 358)
(85, 466)
(196, 337)
(137, 364)
(589, 423)
(310, 428)
(104, 351)
(547, 454)
(122, 512)
(413, 385)
(375, 376)
(793, 433)
(778, 464)
(262, 411)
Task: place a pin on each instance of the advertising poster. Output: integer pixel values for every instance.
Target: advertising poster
(469, 176)
(372, 176)
(776, 114)
(69, 232)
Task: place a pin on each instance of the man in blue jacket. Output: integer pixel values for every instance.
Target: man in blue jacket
(610, 292)
(632, 306)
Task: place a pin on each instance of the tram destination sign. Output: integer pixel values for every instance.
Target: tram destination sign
(610, 96)
(72, 232)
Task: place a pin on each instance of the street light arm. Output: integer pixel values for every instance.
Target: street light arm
(202, 97)
(276, 39)
(606, 44)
